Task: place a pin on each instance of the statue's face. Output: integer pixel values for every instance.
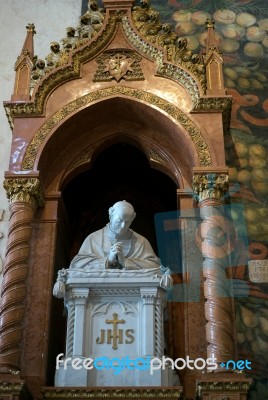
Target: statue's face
(120, 220)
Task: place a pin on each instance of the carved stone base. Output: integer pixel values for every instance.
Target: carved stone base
(232, 387)
(109, 393)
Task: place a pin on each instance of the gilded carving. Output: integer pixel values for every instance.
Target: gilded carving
(183, 67)
(84, 158)
(26, 190)
(213, 103)
(210, 185)
(90, 23)
(115, 393)
(147, 21)
(177, 73)
(56, 58)
(144, 14)
(61, 75)
(38, 72)
(118, 64)
(181, 76)
(71, 41)
(193, 132)
(224, 386)
(94, 16)
(219, 104)
(167, 37)
(10, 387)
(147, 49)
(155, 157)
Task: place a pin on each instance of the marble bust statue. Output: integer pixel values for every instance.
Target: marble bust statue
(116, 246)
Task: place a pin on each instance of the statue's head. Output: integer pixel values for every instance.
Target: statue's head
(121, 215)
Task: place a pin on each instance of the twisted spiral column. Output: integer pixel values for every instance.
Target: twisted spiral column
(209, 189)
(159, 326)
(25, 196)
(70, 331)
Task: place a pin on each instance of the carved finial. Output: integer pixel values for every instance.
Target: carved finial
(31, 28)
(210, 23)
(212, 41)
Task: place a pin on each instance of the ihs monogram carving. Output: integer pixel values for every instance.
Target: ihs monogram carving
(118, 64)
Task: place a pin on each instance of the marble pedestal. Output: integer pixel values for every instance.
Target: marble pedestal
(114, 329)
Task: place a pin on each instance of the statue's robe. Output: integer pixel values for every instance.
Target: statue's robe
(137, 251)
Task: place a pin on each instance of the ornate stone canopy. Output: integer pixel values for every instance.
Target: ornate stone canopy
(121, 51)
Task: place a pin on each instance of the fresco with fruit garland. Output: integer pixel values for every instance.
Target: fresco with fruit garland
(242, 30)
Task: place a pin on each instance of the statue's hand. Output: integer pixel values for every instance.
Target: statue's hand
(115, 257)
(120, 259)
(112, 257)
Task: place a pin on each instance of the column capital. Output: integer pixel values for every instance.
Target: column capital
(24, 189)
(149, 295)
(80, 295)
(210, 183)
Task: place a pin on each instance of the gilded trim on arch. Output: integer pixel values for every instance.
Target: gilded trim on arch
(194, 133)
(177, 70)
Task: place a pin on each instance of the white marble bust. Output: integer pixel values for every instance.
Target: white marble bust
(116, 246)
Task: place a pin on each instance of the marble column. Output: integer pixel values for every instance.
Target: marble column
(81, 298)
(25, 195)
(210, 186)
(148, 296)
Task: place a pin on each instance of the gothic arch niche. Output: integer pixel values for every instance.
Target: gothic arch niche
(119, 172)
(71, 140)
(99, 166)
